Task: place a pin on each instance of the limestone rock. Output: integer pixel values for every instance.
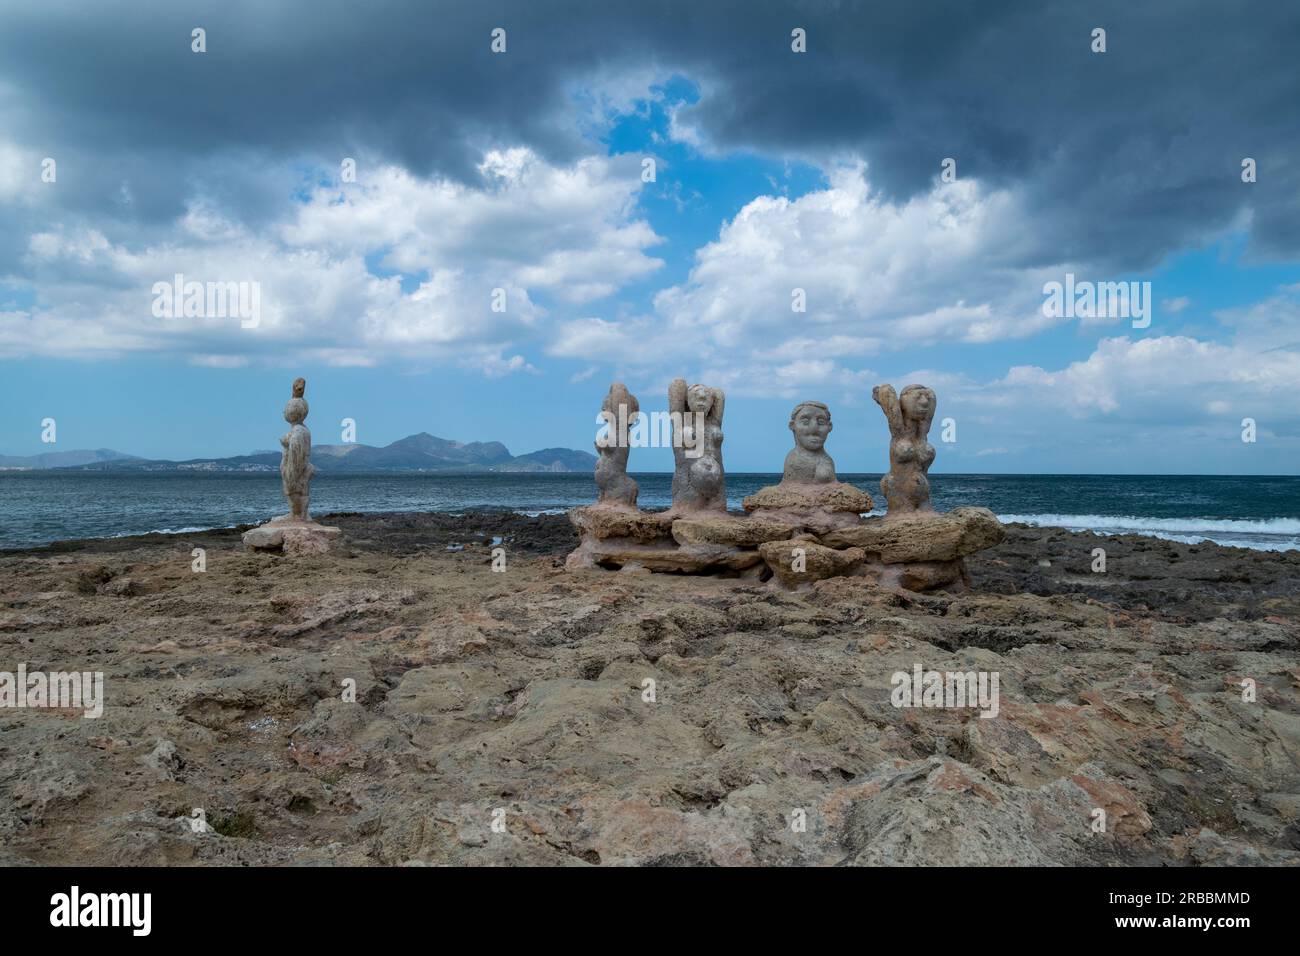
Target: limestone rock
(693, 559)
(604, 522)
(727, 529)
(835, 497)
(922, 536)
(818, 561)
(292, 537)
(927, 575)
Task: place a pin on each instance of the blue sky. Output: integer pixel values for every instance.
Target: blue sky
(774, 171)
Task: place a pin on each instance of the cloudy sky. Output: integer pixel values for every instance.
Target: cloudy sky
(526, 171)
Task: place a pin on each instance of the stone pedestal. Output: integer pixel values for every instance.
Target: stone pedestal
(815, 508)
(289, 535)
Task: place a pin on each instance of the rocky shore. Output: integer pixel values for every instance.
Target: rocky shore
(535, 715)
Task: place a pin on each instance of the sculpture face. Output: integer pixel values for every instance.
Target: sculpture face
(810, 425)
(699, 399)
(917, 403)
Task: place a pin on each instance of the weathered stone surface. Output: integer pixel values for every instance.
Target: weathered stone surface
(693, 559)
(726, 529)
(1119, 691)
(818, 561)
(835, 497)
(926, 575)
(292, 537)
(922, 536)
(602, 522)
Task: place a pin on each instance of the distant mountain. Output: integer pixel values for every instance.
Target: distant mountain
(61, 459)
(422, 452)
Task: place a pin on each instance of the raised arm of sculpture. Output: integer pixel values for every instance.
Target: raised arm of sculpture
(887, 399)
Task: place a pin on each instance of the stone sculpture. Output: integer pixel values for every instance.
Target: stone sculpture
(296, 468)
(809, 496)
(810, 423)
(806, 528)
(699, 482)
(294, 532)
(906, 487)
(615, 488)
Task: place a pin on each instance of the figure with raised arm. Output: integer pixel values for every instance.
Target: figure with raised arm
(906, 486)
(699, 481)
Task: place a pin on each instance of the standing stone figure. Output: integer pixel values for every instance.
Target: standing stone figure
(616, 489)
(906, 487)
(294, 533)
(808, 463)
(295, 463)
(699, 482)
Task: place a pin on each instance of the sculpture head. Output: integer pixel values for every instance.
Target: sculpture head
(618, 397)
(811, 423)
(295, 410)
(917, 404)
(699, 399)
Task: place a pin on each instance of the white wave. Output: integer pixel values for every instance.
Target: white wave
(1264, 534)
(187, 530)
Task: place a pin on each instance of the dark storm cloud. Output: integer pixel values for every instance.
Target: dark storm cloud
(1122, 157)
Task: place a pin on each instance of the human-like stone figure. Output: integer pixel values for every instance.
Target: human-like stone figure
(699, 482)
(906, 487)
(809, 496)
(296, 468)
(615, 488)
(808, 463)
(294, 533)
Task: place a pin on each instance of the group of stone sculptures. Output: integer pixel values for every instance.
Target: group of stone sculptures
(807, 527)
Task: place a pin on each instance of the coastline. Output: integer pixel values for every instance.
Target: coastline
(524, 691)
(1258, 512)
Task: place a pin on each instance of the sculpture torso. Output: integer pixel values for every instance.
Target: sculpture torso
(808, 467)
(295, 464)
(699, 481)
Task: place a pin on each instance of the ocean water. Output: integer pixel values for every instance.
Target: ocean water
(39, 507)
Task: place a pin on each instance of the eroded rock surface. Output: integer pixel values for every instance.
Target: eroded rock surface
(922, 536)
(526, 692)
(801, 561)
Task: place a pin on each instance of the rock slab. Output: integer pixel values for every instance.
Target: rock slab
(292, 537)
(922, 536)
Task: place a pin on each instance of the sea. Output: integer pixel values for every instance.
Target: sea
(38, 507)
